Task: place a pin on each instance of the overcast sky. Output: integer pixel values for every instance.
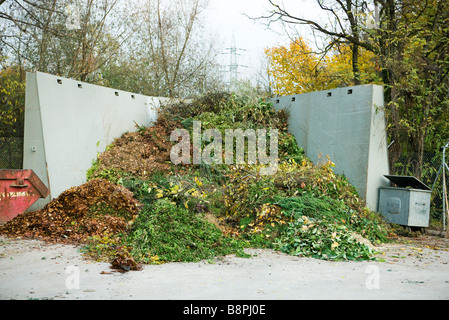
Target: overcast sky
(227, 18)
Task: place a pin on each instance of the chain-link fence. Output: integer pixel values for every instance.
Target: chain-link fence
(428, 169)
(11, 153)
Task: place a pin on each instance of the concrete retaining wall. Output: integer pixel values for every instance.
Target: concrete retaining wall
(68, 122)
(348, 125)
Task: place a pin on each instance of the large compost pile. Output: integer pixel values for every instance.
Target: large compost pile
(138, 207)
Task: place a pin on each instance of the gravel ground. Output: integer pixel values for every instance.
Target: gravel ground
(411, 269)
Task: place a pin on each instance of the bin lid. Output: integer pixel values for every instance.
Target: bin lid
(407, 181)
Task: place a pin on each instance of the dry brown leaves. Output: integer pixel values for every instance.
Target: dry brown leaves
(75, 215)
(122, 262)
(141, 153)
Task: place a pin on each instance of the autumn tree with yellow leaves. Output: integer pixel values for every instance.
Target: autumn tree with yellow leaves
(296, 68)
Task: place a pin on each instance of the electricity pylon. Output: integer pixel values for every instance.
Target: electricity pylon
(234, 66)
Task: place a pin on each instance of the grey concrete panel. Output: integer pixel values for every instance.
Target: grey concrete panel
(33, 146)
(348, 126)
(68, 122)
(378, 150)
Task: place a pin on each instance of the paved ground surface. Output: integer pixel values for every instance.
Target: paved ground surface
(414, 270)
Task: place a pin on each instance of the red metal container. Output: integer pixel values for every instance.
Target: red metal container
(19, 189)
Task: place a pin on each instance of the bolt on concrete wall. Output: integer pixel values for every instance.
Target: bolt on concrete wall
(348, 125)
(68, 122)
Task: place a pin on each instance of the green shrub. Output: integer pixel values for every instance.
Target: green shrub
(335, 212)
(173, 233)
(322, 240)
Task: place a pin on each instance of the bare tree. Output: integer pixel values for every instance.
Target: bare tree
(179, 51)
(38, 35)
(150, 46)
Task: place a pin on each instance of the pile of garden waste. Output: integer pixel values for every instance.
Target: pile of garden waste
(138, 207)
